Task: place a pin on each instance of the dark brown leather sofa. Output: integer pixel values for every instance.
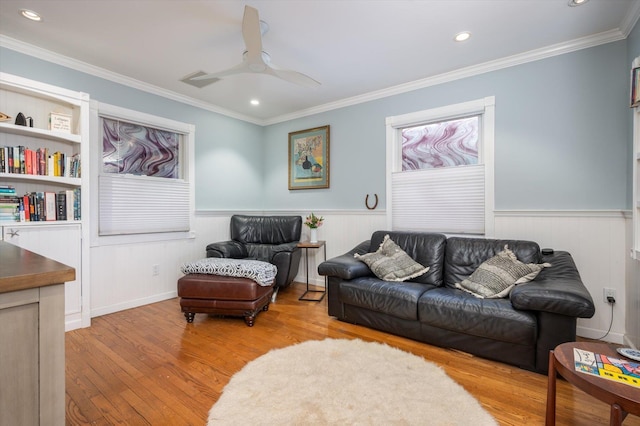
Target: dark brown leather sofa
(518, 330)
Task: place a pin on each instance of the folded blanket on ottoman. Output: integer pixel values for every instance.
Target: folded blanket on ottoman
(263, 273)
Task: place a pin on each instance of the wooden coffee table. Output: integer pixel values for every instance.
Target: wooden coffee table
(622, 398)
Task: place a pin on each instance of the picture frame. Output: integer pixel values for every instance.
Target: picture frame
(635, 87)
(309, 158)
(59, 122)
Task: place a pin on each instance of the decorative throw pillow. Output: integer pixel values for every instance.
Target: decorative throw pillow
(495, 277)
(391, 263)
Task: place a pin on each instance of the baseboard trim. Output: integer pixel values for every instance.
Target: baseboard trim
(591, 333)
(133, 304)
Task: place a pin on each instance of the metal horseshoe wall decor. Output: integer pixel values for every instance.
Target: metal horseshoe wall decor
(366, 202)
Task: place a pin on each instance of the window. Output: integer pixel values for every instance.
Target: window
(447, 143)
(440, 169)
(143, 187)
(129, 148)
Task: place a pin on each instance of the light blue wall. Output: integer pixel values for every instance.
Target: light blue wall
(226, 149)
(562, 135)
(561, 140)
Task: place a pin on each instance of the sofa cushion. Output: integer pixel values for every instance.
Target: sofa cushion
(495, 277)
(428, 249)
(398, 300)
(464, 255)
(391, 263)
(456, 310)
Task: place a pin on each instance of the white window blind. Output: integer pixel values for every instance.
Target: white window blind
(456, 200)
(139, 204)
(449, 200)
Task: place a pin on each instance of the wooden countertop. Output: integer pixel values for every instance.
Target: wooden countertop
(22, 269)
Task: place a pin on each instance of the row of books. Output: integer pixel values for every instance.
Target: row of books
(39, 206)
(22, 160)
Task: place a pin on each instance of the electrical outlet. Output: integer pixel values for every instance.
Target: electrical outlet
(155, 269)
(609, 293)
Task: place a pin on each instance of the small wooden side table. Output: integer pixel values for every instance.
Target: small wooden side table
(306, 245)
(622, 398)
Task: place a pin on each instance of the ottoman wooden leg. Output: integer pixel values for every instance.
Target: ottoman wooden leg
(250, 319)
(189, 316)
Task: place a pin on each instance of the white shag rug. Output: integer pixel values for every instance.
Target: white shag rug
(344, 382)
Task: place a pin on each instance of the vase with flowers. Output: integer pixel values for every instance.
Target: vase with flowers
(313, 222)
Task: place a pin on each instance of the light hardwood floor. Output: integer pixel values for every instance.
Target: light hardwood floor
(147, 366)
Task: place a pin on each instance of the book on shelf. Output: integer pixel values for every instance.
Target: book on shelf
(7, 190)
(61, 205)
(50, 207)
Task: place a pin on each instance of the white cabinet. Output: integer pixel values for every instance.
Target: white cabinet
(61, 243)
(66, 241)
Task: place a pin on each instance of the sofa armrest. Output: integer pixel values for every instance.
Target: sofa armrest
(227, 249)
(558, 289)
(346, 266)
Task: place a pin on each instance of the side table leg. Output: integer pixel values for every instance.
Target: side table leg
(551, 392)
(617, 415)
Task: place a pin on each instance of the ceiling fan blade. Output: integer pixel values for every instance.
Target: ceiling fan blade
(293, 77)
(238, 69)
(252, 34)
(254, 59)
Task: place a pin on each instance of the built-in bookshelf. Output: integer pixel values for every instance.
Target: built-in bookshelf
(43, 174)
(636, 185)
(635, 248)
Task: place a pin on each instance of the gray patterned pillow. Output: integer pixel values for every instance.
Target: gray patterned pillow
(263, 273)
(495, 277)
(391, 263)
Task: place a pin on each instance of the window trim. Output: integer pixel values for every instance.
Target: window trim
(99, 110)
(486, 109)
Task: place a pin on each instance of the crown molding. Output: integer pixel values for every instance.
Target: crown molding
(510, 61)
(630, 19)
(65, 61)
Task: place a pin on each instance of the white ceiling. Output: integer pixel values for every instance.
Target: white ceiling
(357, 49)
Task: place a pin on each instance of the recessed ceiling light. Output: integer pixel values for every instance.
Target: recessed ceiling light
(30, 14)
(574, 3)
(255, 102)
(463, 36)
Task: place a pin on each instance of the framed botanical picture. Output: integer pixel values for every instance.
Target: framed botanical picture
(309, 158)
(635, 87)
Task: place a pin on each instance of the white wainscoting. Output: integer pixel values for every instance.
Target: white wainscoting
(122, 278)
(597, 240)
(122, 275)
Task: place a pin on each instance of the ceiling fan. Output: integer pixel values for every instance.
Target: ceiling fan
(254, 59)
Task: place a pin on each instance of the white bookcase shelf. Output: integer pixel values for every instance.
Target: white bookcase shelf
(56, 180)
(66, 241)
(40, 133)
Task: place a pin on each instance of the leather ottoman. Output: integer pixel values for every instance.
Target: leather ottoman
(222, 295)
